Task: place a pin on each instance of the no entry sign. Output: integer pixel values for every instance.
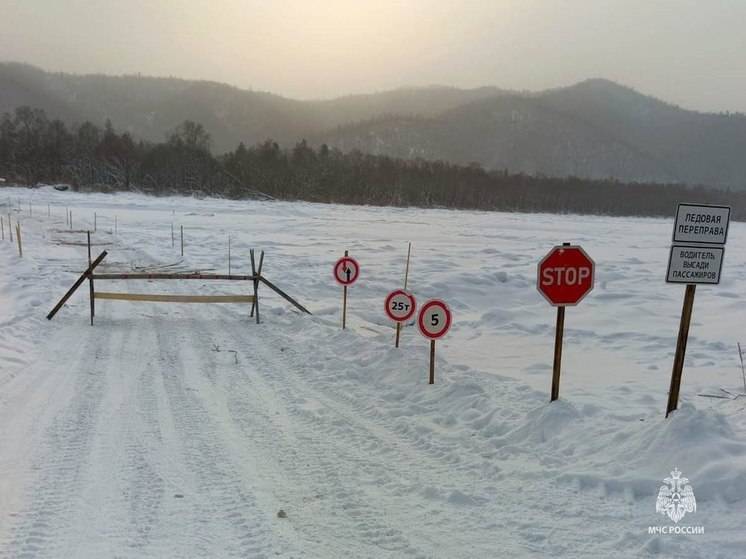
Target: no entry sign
(434, 319)
(400, 305)
(346, 270)
(565, 275)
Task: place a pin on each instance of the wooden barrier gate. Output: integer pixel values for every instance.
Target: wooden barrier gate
(255, 278)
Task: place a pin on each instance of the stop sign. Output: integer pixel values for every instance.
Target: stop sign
(565, 275)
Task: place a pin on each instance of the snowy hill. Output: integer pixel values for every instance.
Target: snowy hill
(594, 129)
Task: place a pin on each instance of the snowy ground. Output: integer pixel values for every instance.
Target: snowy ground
(182, 430)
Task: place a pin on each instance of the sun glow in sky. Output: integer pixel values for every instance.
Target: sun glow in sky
(688, 52)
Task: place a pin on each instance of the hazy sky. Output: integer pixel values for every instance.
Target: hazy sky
(690, 52)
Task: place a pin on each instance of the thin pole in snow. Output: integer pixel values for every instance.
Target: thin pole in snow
(406, 279)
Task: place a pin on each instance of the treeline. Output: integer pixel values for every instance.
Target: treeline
(35, 149)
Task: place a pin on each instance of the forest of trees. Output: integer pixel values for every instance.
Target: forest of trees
(35, 149)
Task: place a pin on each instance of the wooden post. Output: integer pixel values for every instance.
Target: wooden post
(76, 285)
(678, 361)
(115, 225)
(255, 304)
(49, 210)
(558, 335)
(258, 276)
(172, 235)
(30, 210)
(2, 227)
(284, 295)
(95, 222)
(71, 220)
(344, 302)
(406, 278)
(743, 369)
(90, 278)
(432, 362)
(18, 238)
(560, 330)
(10, 228)
(229, 255)
(182, 240)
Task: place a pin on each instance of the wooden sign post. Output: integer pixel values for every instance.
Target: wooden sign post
(18, 238)
(90, 278)
(697, 251)
(406, 278)
(346, 272)
(400, 306)
(565, 276)
(434, 321)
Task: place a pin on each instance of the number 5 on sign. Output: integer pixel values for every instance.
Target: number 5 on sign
(434, 321)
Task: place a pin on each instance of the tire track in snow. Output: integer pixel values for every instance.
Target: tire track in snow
(337, 475)
(44, 528)
(230, 524)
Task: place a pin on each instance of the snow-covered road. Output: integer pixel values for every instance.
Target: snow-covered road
(182, 431)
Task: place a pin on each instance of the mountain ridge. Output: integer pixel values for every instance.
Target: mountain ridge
(593, 129)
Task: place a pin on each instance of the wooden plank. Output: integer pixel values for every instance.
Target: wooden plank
(162, 298)
(164, 276)
(75, 286)
(284, 295)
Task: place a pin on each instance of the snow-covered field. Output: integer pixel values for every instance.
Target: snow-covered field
(182, 430)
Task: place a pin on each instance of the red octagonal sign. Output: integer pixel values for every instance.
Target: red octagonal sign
(565, 275)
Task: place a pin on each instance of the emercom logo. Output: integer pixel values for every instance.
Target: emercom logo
(676, 499)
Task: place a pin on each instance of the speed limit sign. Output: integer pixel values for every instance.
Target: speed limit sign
(400, 305)
(434, 319)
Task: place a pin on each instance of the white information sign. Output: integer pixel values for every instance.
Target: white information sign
(693, 264)
(699, 223)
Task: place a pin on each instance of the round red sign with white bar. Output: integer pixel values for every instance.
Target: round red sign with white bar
(434, 319)
(346, 270)
(400, 305)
